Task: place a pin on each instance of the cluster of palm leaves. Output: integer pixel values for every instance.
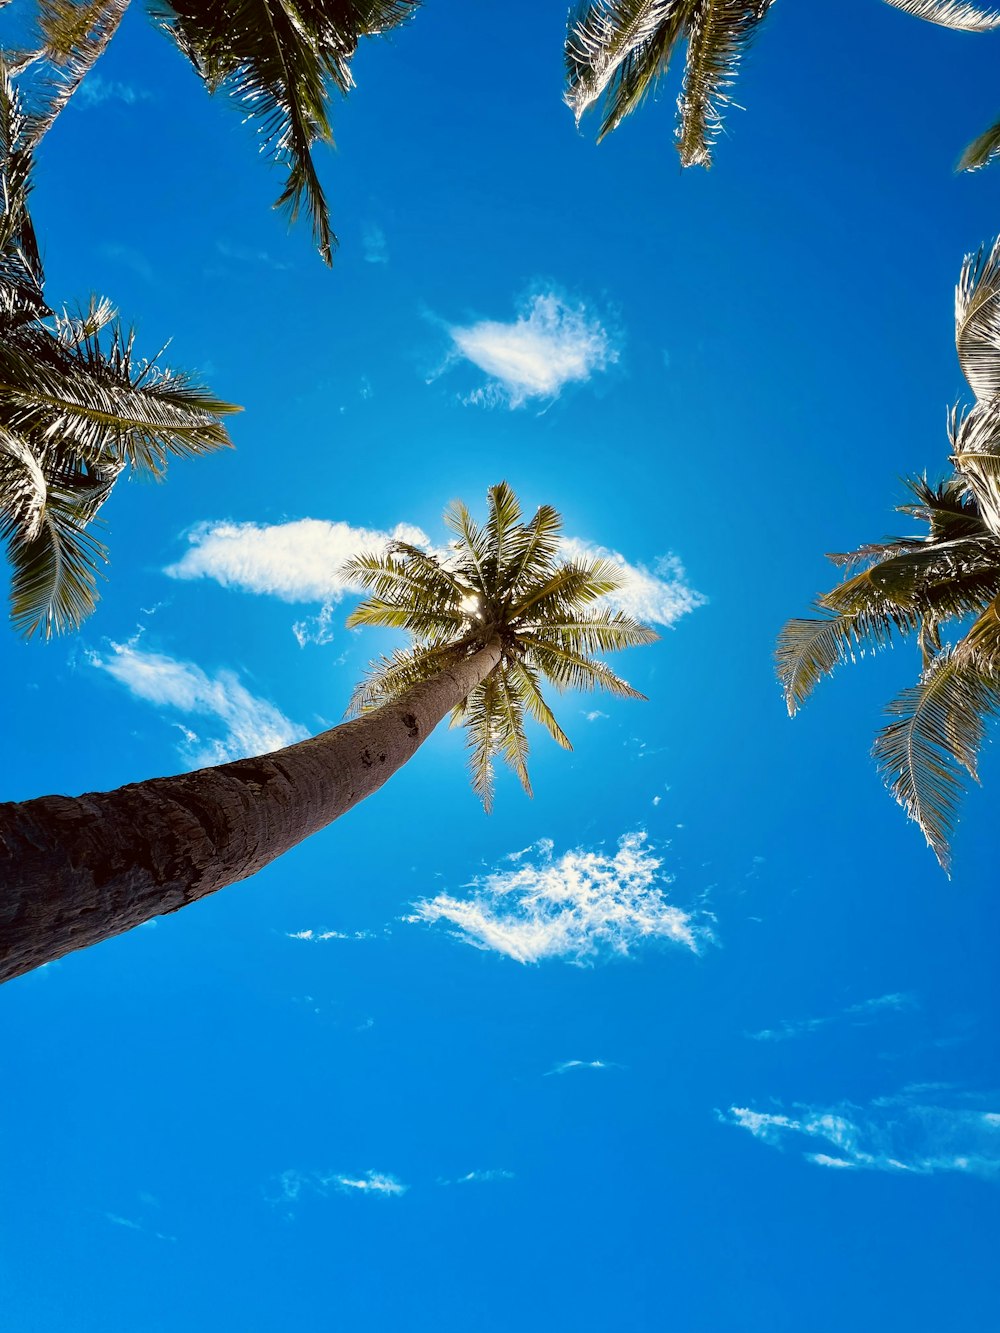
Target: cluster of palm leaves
(942, 587)
(620, 50)
(502, 583)
(278, 60)
(77, 410)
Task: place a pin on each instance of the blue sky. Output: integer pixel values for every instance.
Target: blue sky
(698, 1038)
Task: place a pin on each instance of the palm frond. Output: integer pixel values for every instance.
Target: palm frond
(534, 701)
(390, 676)
(573, 584)
(603, 34)
(598, 632)
(975, 445)
(977, 321)
(809, 649)
(951, 14)
(569, 670)
(23, 488)
(480, 720)
(278, 61)
(74, 33)
(934, 737)
(720, 33)
(510, 741)
(640, 73)
(983, 149)
(54, 573)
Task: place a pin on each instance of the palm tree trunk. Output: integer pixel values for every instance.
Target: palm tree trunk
(76, 870)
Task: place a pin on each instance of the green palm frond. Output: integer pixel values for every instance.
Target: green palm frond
(511, 742)
(501, 584)
(981, 152)
(934, 737)
(569, 670)
(77, 409)
(951, 14)
(74, 34)
(480, 719)
(390, 676)
(977, 321)
(530, 692)
(279, 62)
(605, 35)
(54, 573)
(720, 33)
(809, 649)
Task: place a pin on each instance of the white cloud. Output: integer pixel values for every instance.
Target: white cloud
(582, 907)
(655, 597)
(896, 1134)
(250, 726)
(548, 345)
(594, 715)
(95, 91)
(318, 936)
(299, 561)
(566, 1065)
(858, 1014)
(292, 1186)
(374, 246)
(480, 1177)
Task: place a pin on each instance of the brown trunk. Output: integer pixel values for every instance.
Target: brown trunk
(76, 870)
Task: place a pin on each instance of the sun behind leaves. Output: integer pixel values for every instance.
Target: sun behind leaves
(501, 583)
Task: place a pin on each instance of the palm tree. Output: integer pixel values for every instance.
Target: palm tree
(278, 61)
(78, 409)
(489, 619)
(964, 17)
(620, 50)
(943, 587)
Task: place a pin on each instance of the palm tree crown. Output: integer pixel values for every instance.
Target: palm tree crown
(943, 587)
(619, 50)
(503, 583)
(78, 409)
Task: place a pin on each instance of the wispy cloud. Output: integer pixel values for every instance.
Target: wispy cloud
(95, 91)
(480, 1177)
(858, 1014)
(245, 254)
(250, 726)
(581, 907)
(292, 1186)
(299, 561)
(566, 1065)
(373, 245)
(319, 936)
(129, 1224)
(655, 597)
(548, 345)
(899, 1134)
(302, 561)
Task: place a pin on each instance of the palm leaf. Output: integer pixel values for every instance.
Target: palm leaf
(977, 321)
(569, 670)
(983, 149)
(720, 32)
(75, 33)
(535, 702)
(951, 14)
(639, 74)
(602, 35)
(934, 737)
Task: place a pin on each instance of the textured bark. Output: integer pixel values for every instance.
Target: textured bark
(76, 870)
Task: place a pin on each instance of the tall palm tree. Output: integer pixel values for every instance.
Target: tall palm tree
(78, 409)
(942, 587)
(963, 17)
(489, 619)
(620, 50)
(278, 60)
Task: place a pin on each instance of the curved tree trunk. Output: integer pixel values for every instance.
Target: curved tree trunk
(76, 870)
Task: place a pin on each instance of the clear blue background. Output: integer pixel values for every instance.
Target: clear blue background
(803, 293)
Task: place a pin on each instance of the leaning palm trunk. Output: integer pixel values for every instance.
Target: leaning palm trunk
(78, 870)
